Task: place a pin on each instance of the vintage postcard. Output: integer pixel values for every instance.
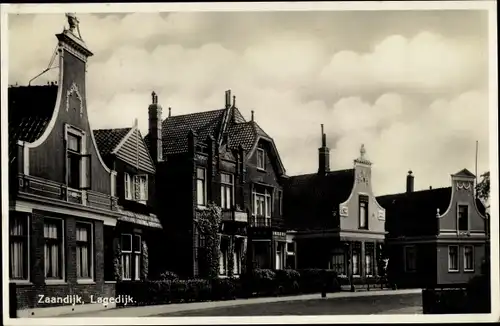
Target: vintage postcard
(220, 163)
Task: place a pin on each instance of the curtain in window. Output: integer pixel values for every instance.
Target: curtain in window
(453, 258)
(126, 266)
(17, 248)
(82, 253)
(128, 186)
(368, 262)
(355, 264)
(51, 251)
(469, 258)
(222, 267)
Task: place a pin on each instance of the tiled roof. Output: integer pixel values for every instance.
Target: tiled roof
(175, 129)
(30, 109)
(244, 134)
(108, 139)
(311, 199)
(414, 213)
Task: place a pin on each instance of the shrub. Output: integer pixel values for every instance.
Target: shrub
(168, 276)
(288, 281)
(226, 289)
(259, 281)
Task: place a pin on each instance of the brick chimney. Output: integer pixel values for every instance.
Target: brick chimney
(154, 112)
(410, 182)
(324, 154)
(228, 98)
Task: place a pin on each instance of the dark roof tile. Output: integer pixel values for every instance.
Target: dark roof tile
(30, 109)
(108, 139)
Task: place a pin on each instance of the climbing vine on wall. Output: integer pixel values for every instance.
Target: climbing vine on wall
(208, 222)
(145, 261)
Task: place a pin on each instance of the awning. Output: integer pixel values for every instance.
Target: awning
(141, 219)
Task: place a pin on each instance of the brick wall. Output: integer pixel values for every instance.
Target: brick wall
(28, 294)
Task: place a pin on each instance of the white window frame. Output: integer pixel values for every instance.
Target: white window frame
(26, 243)
(457, 257)
(223, 188)
(369, 253)
(268, 206)
(458, 215)
(204, 180)
(137, 183)
(223, 257)
(358, 265)
(62, 278)
(405, 260)
(137, 257)
(363, 200)
(71, 130)
(126, 252)
(473, 259)
(128, 182)
(261, 151)
(91, 249)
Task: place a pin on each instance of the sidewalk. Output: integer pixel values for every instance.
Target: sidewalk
(145, 311)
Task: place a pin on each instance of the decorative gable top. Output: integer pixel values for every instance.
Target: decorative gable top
(464, 173)
(30, 109)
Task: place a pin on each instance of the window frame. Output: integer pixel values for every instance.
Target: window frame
(137, 257)
(369, 252)
(85, 164)
(457, 255)
(280, 202)
(357, 253)
(267, 200)
(224, 185)
(25, 239)
(363, 201)
(126, 252)
(127, 185)
(204, 184)
(413, 248)
(61, 243)
(261, 163)
(472, 259)
(137, 183)
(466, 205)
(90, 241)
(342, 271)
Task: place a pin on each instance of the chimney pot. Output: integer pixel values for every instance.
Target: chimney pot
(169, 111)
(234, 101)
(252, 115)
(228, 98)
(154, 98)
(410, 182)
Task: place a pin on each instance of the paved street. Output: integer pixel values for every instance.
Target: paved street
(361, 305)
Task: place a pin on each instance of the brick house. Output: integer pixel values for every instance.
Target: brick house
(335, 215)
(61, 193)
(435, 236)
(138, 231)
(217, 156)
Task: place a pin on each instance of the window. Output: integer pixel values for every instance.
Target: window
(338, 263)
(453, 258)
(260, 203)
(463, 218)
(52, 232)
(223, 257)
(131, 256)
(261, 159)
(369, 262)
(18, 225)
(84, 250)
(469, 258)
(410, 253)
(280, 202)
(226, 190)
(136, 187)
(279, 257)
(201, 189)
(263, 203)
(237, 258)
(355, 263)
(363, 212)
(77, 162)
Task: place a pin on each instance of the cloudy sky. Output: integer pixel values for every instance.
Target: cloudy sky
(410, 85)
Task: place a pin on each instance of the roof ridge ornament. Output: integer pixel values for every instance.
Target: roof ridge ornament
(73, 23)
(362, 156)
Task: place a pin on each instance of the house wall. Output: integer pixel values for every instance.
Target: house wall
(376, 213)
(48, 160)
(28, 294)
(445, 277)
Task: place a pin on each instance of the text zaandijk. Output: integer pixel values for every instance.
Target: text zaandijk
(74, 299)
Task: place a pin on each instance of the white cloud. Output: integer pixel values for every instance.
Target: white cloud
(415, 102)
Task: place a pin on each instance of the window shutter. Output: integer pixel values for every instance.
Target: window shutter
(136, 187)
(86, 172)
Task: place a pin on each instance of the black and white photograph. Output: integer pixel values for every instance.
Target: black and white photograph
(219, 161)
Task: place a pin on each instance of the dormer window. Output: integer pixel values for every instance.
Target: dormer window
(463, 218)
(77, 161)
(136, 187)
(261, 159)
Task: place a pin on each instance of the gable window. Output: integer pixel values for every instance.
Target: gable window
(469, 258)
(363, 212)
(410, 259)
(136, 187)
(84, 261)
(226, 190)
(463, 217)
(453, 258)
(19, 240)
(131, 256)
(53, 248)
(201, 187)
(77, 161)
(261, 159)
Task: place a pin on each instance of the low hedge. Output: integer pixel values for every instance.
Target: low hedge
(258, 282)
